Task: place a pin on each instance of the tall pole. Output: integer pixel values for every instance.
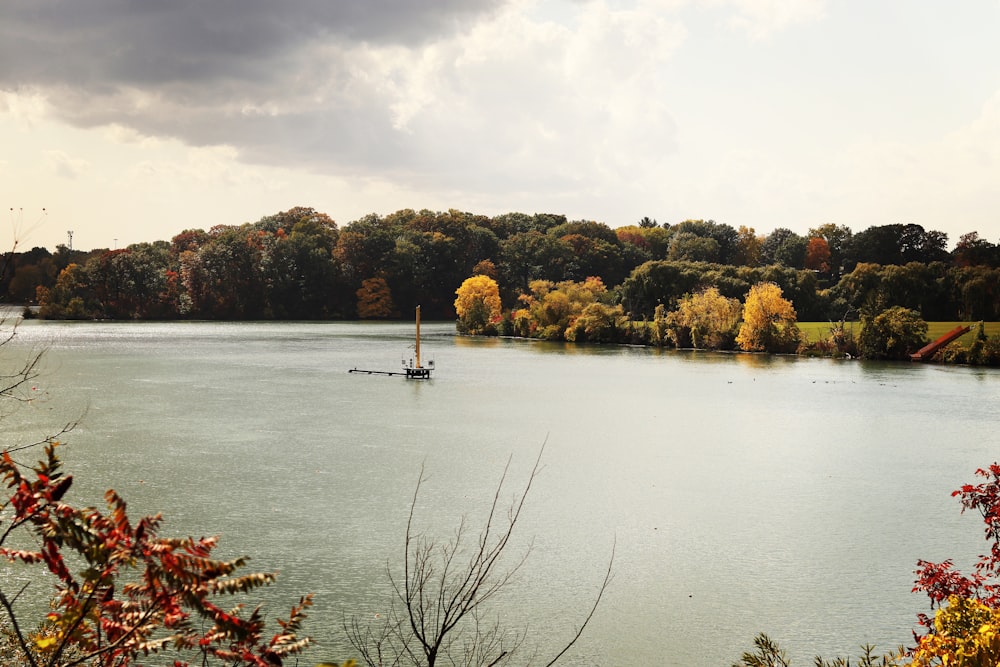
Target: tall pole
(418, 336)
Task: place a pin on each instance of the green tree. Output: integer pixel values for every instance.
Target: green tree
(659, 282)
(784, 247)
(688, 246)
(719, 241)
(894, 333)
(301, 276)
(532, 255)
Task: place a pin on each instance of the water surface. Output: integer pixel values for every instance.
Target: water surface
(741, 493)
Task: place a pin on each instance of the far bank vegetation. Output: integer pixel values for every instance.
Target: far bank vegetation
(675, 285)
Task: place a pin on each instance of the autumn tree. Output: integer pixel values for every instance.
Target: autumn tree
(659, 333)
(374, 299)
(749, 247)
(121, 590)
(485, 267)
(964, 630)
(597, 323)
(966, 634)
(818, 255)
(705, 319)
(653, 240)
(69, 298)
(940, 580)
(137, 593)
(551, 308)
(769, 321)
(478, 305)
(971, 250)
(838, 240)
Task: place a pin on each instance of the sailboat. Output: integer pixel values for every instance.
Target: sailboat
(414, 370)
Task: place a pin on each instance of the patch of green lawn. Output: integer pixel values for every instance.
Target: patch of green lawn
(816, 331)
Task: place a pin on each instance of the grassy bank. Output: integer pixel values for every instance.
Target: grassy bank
(816, 331)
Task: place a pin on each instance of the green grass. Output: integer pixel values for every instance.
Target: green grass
(816, 331)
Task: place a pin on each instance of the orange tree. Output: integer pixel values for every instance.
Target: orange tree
(375, 299)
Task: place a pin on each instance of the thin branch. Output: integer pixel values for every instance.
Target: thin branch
(600, 594)
(8, 605)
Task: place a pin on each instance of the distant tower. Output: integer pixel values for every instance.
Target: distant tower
(69, 235)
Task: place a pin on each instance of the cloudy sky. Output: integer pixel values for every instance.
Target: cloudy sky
(131, 121)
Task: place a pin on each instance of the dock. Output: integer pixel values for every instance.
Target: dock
(364, 372)
(928, 351)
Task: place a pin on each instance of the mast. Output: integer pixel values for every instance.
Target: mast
(418, 336)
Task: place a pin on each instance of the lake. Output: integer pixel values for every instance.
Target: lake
(740, 493)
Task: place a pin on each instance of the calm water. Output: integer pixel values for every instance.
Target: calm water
(743, 493)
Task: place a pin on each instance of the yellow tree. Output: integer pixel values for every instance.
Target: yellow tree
(768, 321)
(966, 634)
(552, 307)
(478, 305)
(706, 320)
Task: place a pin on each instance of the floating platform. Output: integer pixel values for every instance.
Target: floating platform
(366, 372)
(411, 370)
(409, 373)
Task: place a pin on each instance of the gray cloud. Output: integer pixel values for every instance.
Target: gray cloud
(277, 81)
(434, 96)
(108, 42)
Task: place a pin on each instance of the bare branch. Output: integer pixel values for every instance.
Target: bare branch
(600, 594)
(8, 606)
(445, 587)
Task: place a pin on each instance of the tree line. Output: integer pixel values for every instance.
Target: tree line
(300, 264)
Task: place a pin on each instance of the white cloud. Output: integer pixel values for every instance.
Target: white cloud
(65, 165)
(532, 104)
(760, 19)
